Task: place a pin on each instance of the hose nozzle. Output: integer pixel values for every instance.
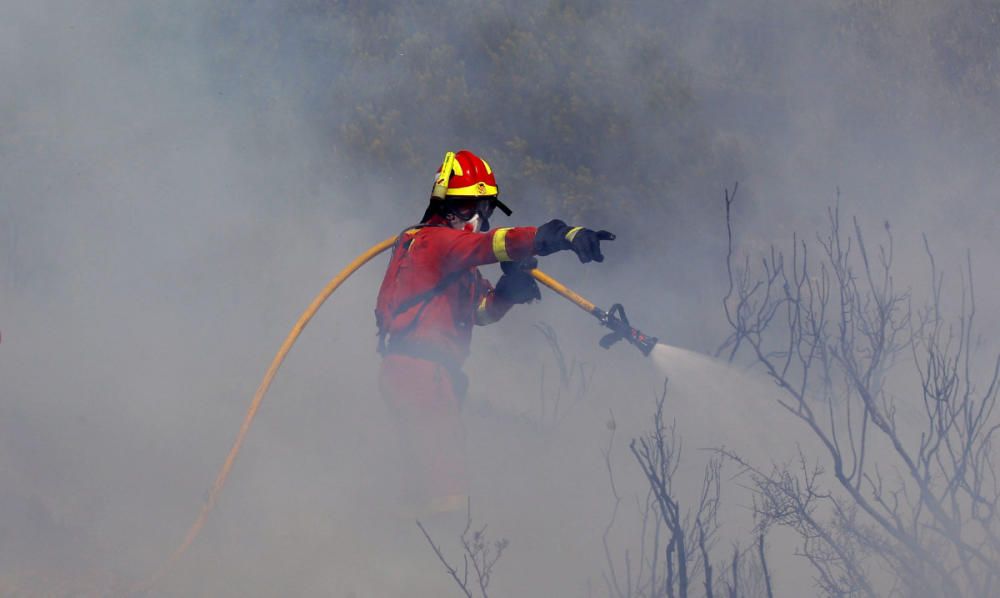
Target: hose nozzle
(617, 321)
(614, 318)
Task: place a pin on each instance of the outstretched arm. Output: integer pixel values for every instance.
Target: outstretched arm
(467, 250)
(463, 250)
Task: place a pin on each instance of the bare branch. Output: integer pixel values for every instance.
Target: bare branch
(478, 551)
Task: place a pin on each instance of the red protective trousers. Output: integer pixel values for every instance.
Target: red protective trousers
(422, 400)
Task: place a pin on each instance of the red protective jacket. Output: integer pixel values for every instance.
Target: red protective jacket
(433, 293)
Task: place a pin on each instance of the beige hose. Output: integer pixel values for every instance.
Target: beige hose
(272, 370)
(563, 290)
(258, 398)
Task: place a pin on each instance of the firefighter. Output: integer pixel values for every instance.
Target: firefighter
(431, 297)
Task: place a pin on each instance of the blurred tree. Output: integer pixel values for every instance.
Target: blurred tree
(571, 101)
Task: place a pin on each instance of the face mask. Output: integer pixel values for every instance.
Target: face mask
(472, 225)
(473, 218)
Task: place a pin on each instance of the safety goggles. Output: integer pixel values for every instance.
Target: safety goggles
(468, 209)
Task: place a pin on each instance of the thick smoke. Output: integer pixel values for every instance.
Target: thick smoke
(177, 180)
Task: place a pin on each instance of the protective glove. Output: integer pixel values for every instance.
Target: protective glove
(516, 285)
(556, 235)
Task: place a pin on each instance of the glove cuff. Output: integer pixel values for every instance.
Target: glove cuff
(572, 233)
(552, 237)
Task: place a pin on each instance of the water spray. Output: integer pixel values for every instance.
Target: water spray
(614, 319)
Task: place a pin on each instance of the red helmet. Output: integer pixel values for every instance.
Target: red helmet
(464, 175)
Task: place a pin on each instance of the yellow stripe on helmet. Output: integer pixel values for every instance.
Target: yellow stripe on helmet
(477, 190)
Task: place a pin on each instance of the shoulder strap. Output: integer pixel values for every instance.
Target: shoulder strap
(429, 294)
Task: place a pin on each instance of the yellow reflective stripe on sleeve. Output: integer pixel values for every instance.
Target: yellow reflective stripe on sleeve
(500, 245)
(572, 233)
(483, 316)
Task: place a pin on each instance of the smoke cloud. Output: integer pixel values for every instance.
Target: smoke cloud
(179, 179)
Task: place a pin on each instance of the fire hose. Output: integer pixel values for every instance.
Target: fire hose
(613, 319)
